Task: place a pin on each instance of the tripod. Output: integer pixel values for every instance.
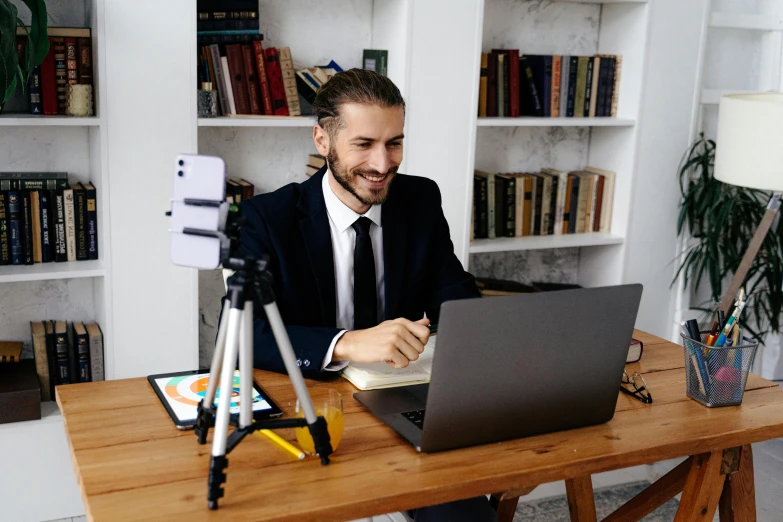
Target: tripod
(235, 334)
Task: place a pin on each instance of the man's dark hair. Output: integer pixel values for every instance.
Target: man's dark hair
(353, 86)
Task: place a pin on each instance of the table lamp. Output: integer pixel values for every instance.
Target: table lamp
(749, 153)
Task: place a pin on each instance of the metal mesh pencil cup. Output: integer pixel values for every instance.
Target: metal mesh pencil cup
(717, 376)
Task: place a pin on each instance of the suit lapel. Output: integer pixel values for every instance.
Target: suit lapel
(318, 243)
(394, 221)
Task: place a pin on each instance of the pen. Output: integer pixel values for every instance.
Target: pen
(732, 319)
(721, 319)
(290, 448)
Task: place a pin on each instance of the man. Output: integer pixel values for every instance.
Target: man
(359, 253)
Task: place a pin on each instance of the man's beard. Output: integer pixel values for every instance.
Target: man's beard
(349, 180)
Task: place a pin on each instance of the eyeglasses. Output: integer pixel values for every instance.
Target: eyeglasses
(629, 386)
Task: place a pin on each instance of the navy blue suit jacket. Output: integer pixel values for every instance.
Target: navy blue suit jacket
(291, 225)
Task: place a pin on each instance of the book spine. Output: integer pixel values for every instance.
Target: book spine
(60, 73)
(71, 61)
(535, 98)
(60, 245)
(96, 352)
(232, 108)
(618, 66)
(276, 86)
(482, 105)
(15, 227)
(35, 223)
(565, 64)
(588, 87)
(266, 97)
(593, 110)
(5, 239)
(51, 356)
(481, 207)
(500, 209)
(492, 85)
(83, 351)
(289, 81)
(70, 225)
(539, 206)
(491, 206)
(63, 366)
(513, 85)
(501, 86)
(41, 360)
(547, 87)
(579, 93)
(49, 82)
(573, 63)
(36, 106)
(80, 222)
(214, 54)
(573, 210)
(238, 82)
(92, 223)
(85, 61)
(228, 15)
(557, 71)
(511, 206)
(227, 25)
(251, 78)
(26, 228)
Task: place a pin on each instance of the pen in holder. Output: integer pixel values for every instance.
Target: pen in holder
(716, 376)
(207, 101)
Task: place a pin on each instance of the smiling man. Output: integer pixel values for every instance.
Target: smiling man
(359, 253)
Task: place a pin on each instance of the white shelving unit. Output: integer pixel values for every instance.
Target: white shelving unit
(72, 291)
(257, 121)
(528, 144)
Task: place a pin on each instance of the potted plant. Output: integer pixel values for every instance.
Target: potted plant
(720, 220)
(14, 71)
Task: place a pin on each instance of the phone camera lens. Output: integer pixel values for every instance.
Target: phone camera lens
(180, 173)
(181, 162)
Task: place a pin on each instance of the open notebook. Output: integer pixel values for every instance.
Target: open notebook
(370, 376)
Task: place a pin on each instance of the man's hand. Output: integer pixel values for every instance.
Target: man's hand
(396, 342)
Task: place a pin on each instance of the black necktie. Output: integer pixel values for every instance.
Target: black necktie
(365, 303)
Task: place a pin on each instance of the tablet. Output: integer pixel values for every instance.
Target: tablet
(181, 392)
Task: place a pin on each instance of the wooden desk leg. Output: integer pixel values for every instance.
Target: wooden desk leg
(738, 501)
(702, 489)
(505, 504)
(581, 502)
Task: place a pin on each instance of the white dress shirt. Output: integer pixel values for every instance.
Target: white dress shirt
(343, 241)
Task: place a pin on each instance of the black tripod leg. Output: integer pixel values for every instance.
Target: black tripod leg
(217, 476)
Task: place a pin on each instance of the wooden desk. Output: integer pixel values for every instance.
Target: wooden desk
(131, 463)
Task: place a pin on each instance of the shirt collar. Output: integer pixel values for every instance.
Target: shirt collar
(343, 216)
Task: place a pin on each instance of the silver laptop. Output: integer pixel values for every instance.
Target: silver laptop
(509, 367)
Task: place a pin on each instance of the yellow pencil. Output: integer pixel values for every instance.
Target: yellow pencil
(290, 448)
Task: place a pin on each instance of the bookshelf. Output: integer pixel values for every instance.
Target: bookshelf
(71, 291)
(527, 144)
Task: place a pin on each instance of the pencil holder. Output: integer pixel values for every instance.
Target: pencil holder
(717, 376)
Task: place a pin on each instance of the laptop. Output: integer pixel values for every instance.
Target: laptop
(514, 366)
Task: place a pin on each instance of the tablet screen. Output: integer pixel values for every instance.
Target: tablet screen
(183, 392)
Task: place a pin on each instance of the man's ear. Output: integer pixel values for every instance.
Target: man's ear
(321, 139)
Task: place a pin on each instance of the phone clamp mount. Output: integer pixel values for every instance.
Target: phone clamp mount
(251, 282)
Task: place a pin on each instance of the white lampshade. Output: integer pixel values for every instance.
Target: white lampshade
(749, 145)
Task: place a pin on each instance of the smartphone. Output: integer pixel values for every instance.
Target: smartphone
(199, 203)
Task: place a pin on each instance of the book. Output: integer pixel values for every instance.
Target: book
(38, 331)
(375, 60)
(92, 221)
(372, 376)
(82, 352)
(95, 336)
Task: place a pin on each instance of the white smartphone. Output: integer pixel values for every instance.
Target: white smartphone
(199, 203)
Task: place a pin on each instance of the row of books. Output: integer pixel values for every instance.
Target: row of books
(44, 218)
(550, 202)
(513, 85)
(314, 164)
(238, 189)
(69, 61)
(66, 353)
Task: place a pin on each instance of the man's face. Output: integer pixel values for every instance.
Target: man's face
(366, 152)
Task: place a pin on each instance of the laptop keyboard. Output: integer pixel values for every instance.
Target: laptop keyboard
(415, 416)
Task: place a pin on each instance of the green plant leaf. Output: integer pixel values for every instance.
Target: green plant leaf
(38, 39)
(9, 58)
